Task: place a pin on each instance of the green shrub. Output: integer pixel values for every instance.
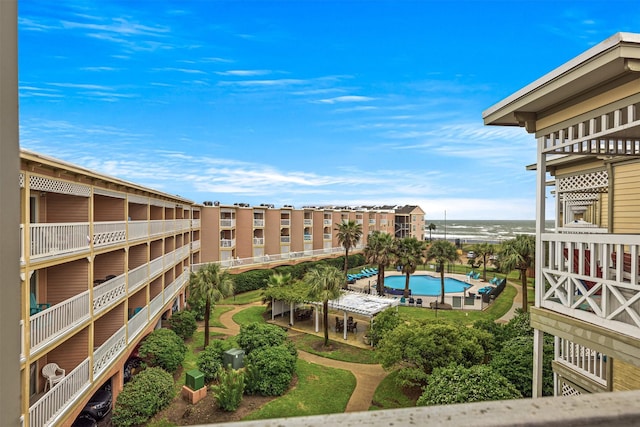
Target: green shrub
(250, 280)
(457, 384)
(385, 322)
(257, 335)
(270, 370)
(230, 389)
(148, 392)
(183, 323)
(210, 359)
(163, 348)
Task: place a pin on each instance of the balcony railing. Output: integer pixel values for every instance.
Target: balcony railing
(227, 243)
(22, 259)
(156, 304)
(308, 237)
(136, 324)
(595, 278)
(588, 362)
(227, 223)
(138, 277)
(326, 222)
(109, 293)
(61, 395)
(195, 245)
(195, 223)
(307, 222)
(138, 229)
(109, 233)
(327, 236)
(285, 222)
(383, 222)
(156, 227)
(372, 221)
(258, 222)
(156, 266)
(52, 322)
(52, 239)
(285, 239)
(109, 351)
(359, 221)
(258, 240)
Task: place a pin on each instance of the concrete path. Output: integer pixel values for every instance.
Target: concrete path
(368, 377)
(517, 303)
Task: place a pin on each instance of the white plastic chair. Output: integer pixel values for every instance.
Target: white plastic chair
(53, 374)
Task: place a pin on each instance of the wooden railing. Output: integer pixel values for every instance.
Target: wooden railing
(156, 227)
(109, 351)
(258, 240)
(138, 277)
(51, 322)
(227, 223)
(156, 266)
(593, 277)
(588, 362)
(51, 239)
(109, 233)
(195, 223)
(156, 304)
(138, 229)
(136, 324)
(258, 222)
(44, 411)
(109, 293)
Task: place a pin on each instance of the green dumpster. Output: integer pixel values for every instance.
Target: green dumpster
(233, 357)
(194, 379)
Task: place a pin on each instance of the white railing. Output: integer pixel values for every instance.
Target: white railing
(183, 224)
(308, 237)
(182, 252)
(43, 412)
(359, 221)
(137, 277)
(258, 222)
(285, 239)
(156, 267)
(588, 362)
(109, 351)
(156, 227)
(326, 236)
(195, 223)
(258, 240)
(22, 358)
(136, 324)
(170, 226)
(383, 222)
(48, 324)
(307, 222)
(51, 239)
(109, 233)
(372, 221)
(156, 304)
(109, 293)
(22, 258)
(595, 278)
(326, 222)
(168, 260)
(195, 245)
(227, 223)
(137, 229)
(227, 243)
(285, 222)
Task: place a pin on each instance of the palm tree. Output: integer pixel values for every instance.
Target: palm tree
(408, 253)
(431, 227)
(349, 233)
(276, 280)
(519, 254)
(442, 251)
(325, 284)
(379, 251)
(211, 284)
(484, 251)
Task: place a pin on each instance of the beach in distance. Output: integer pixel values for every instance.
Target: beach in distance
(474, 231)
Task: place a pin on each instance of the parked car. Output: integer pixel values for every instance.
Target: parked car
(100, 403)
(471, 255)
(85, 420)
(131, 367)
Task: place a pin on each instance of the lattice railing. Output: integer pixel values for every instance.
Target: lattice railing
(109, 293)
(109, 351)
(108, 233)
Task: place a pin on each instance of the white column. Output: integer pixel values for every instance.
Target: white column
(344, 326)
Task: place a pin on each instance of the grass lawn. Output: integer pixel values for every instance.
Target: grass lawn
(250, 315)
(194, 345)
(243, 298)
(389, 396)
(342, 352)
(214, 320)
(320, 390)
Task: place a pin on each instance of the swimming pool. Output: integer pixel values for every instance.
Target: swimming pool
(425, 285)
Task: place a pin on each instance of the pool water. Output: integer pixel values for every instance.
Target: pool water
(426, 285)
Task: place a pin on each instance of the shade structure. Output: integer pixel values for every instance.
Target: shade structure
(364, 304)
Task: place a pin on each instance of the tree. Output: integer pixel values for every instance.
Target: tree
(183, 323)
(519, 254)
(483, 251)
(379, 251)
(408, 254)
(349, 233)
(211, 284)
(457, 384)
(442, 251)
(431, 227)
(325, 283)
(258, 335)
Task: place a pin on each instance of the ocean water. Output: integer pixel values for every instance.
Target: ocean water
(474, 231)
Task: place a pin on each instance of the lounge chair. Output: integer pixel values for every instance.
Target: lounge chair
(419, 302)
(403, 301)
(412, 301)
(34, 307)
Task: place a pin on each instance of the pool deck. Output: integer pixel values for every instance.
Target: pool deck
(363, 285)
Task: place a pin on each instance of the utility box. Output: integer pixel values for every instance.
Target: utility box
(194, 379)
(233, 357)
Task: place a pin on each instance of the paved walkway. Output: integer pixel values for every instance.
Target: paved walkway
(368, 377)
(517, 303)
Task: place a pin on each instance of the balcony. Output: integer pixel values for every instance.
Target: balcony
(258, 222)
(308, 237)
(49, 240)
(594, 278)
(359, 221)
(372, 221)
(327, 236)
(104, 355)
(109, 293)
(285, 222)
(195, 245)
(227, 223)
(258, 240)
(60, 319)
(195, 223)
(138, 229)
(308, 222)
(326, 221)
(285, 239)
(109, 233)
(227, 243)
(136, 324)
(589, 363)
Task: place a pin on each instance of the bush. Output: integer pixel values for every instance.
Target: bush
(196, 306)
(257, 335)
(230, 389)
(163, 348)
(270, 370)
(140, 399)
(210, 359)
(385, 322)
(457, 384)
(250, 280)
(183, 323)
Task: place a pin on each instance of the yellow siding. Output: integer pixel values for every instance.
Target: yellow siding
(625, 376)
(626, 203)
(108, 209)
(574, 168)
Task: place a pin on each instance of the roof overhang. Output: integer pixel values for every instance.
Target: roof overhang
(610, 60)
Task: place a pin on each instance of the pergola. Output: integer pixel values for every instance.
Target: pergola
(351, 302)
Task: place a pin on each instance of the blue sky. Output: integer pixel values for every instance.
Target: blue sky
(300, 102)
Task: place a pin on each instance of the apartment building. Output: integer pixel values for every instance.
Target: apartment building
(102, 261)
(585, 116)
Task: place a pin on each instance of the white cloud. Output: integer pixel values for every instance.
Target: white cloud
(345, 98)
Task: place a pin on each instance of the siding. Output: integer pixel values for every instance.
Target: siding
(108, 208)
(107, 325)
(137, 212)
(137, 256)
(110, 263)
(65, 208)
(67, 280)
(625, 376)
(69, 354)
(626, 203)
